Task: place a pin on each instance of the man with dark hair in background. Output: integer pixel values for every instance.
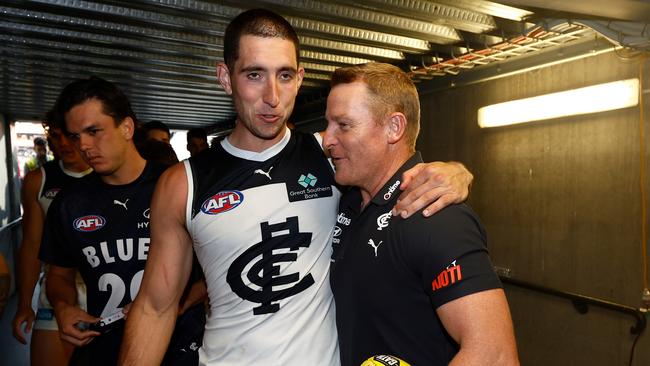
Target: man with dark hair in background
(157, 151)
(156, 130)
(259, 209)
(40, 157)
(197, 141)
(421, 289)
(152, 140)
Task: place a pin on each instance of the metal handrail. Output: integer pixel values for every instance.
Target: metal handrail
(582, 302)
(11, 224)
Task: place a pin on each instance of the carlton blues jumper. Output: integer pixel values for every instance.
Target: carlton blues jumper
(54, 178)
(261, 225)
(103, 231)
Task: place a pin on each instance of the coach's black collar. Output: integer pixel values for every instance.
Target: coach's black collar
(352, 199)
(391, 191)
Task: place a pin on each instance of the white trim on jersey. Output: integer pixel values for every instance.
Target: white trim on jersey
(190, 193)
(43, 202)
(74, 174)
(257, 156)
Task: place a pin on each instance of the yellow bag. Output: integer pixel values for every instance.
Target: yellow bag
(384, 360)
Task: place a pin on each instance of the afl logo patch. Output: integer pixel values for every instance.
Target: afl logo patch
(222, 202)
(89, 223)
(51, 193)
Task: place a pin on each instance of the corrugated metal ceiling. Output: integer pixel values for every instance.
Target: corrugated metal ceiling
(162, 53)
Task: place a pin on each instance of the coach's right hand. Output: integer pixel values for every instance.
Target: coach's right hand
(68, 317)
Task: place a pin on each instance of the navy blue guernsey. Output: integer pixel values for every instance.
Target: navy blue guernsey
(54, 178)
(103, 231)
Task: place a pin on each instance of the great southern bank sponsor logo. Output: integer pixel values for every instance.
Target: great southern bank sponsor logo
(89, 223)
(307, 189)
(307, 180)
(222, 202)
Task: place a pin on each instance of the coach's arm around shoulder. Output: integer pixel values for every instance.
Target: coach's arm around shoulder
(152, 316)
(481, 324)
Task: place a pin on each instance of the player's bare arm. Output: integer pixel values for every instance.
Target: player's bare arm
(166, 273)
(62, 293)
(481, 324)
(433, 185)
(28, 263)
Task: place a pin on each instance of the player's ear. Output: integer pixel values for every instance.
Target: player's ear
(396, 127)
(300, 75)
(223, 75)
(127, 127)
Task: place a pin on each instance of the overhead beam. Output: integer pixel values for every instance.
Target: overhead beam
(544, 58)
(630, 10)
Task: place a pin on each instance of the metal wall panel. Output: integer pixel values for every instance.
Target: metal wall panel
(561, 204)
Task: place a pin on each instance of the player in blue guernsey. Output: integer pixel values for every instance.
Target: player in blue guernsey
(100, 228)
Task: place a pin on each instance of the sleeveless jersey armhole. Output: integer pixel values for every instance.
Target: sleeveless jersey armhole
(190, 194)
(40, 190)
(42, 201)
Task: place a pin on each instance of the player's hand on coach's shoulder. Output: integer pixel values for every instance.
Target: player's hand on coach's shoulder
(24, 315)
(435, 184)
(71, 319)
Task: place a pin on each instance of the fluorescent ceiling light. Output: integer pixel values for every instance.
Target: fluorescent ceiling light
(591, 99)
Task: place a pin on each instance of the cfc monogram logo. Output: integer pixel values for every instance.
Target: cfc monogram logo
(265, 273)
(383, 220)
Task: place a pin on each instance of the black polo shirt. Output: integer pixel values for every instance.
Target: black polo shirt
(389, 275)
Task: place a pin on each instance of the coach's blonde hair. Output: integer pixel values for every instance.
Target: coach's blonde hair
(390, 90)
